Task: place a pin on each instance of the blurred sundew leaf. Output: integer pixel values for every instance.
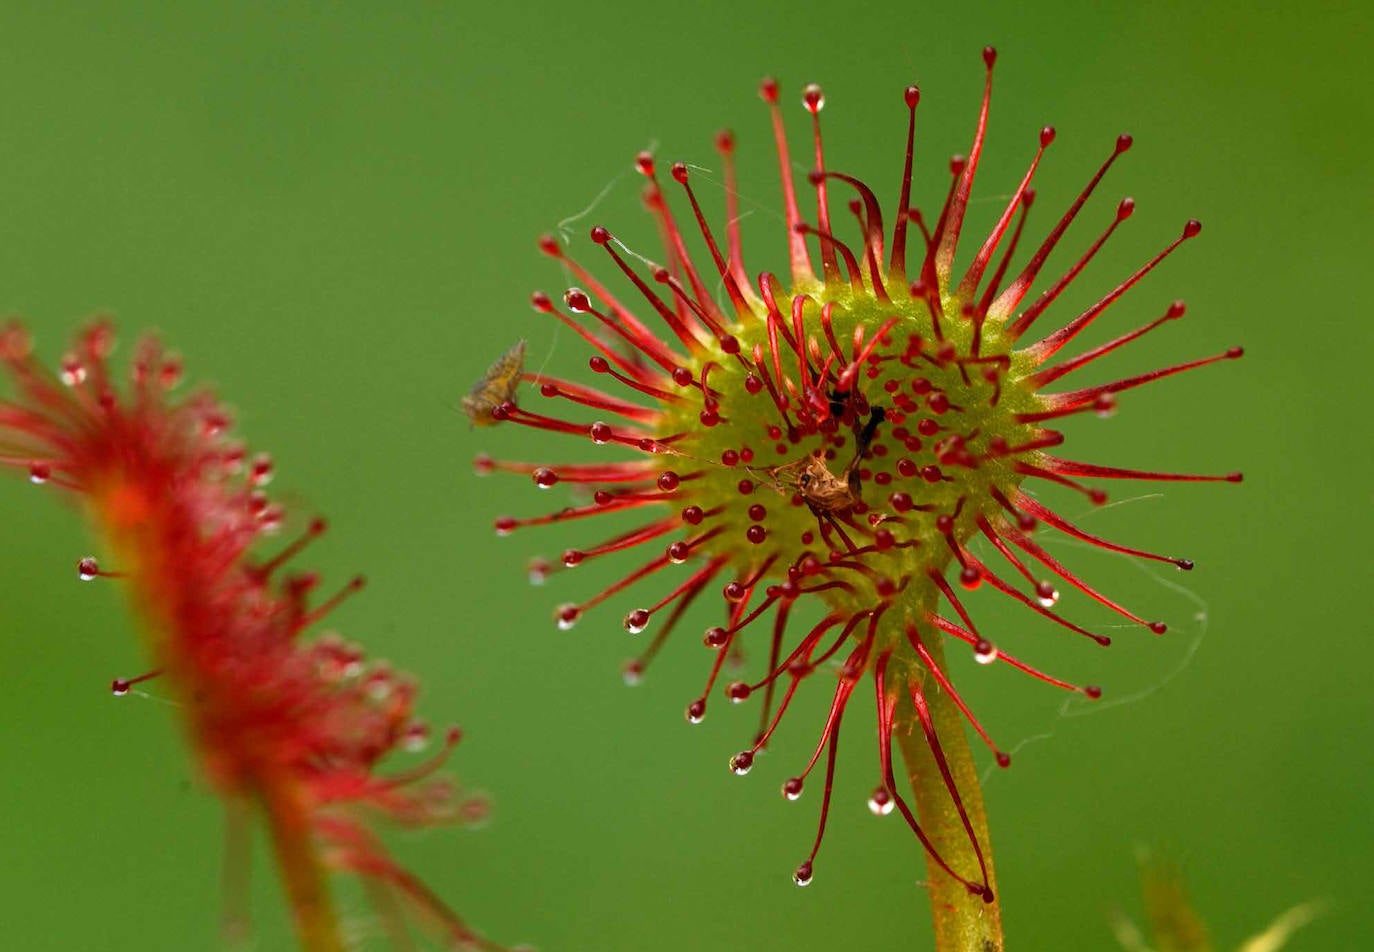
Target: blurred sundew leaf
(1175, 926)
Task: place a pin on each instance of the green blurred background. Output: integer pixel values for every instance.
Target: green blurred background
(331, 212)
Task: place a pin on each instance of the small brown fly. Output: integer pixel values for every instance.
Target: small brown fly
(821, 489)
(496, 387)
(825, 494)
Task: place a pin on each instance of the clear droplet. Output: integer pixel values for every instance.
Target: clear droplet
(378, 685)
(803, 875)
(539, 571)
(416, 737)
(87, 569)
(577, 300)
(270, 519)
(260, 473)
(73, 372)
(742, 763)
(985, 652)
(881, 803)
(1046, 594)
(792, 789)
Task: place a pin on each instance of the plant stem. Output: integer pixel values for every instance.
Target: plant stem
(302, 873)
(963, 921)
(237, 862)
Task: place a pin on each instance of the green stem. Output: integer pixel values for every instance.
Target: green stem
(237, 861)
(963, 921)
(302, 873)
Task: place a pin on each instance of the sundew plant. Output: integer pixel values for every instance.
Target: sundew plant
(840, 440)
(289, 723)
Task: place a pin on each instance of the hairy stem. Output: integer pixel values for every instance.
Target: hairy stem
(963, 921)
(302, 873)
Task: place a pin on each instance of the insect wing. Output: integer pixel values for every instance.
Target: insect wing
(497, 386)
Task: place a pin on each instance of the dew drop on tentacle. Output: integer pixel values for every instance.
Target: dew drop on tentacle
(984, 651)
(715, 637)
(120, 687)
(538, 571)
(576, 299)
(1046, 594)
(742, 763)
(72, 371)
(87, 568)
(215, 422)
(792, 788)
(881, 802)
(270, 519)
(260, 471)
(380, 683)
(416, 736)
(803, 874)
(696, 711)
